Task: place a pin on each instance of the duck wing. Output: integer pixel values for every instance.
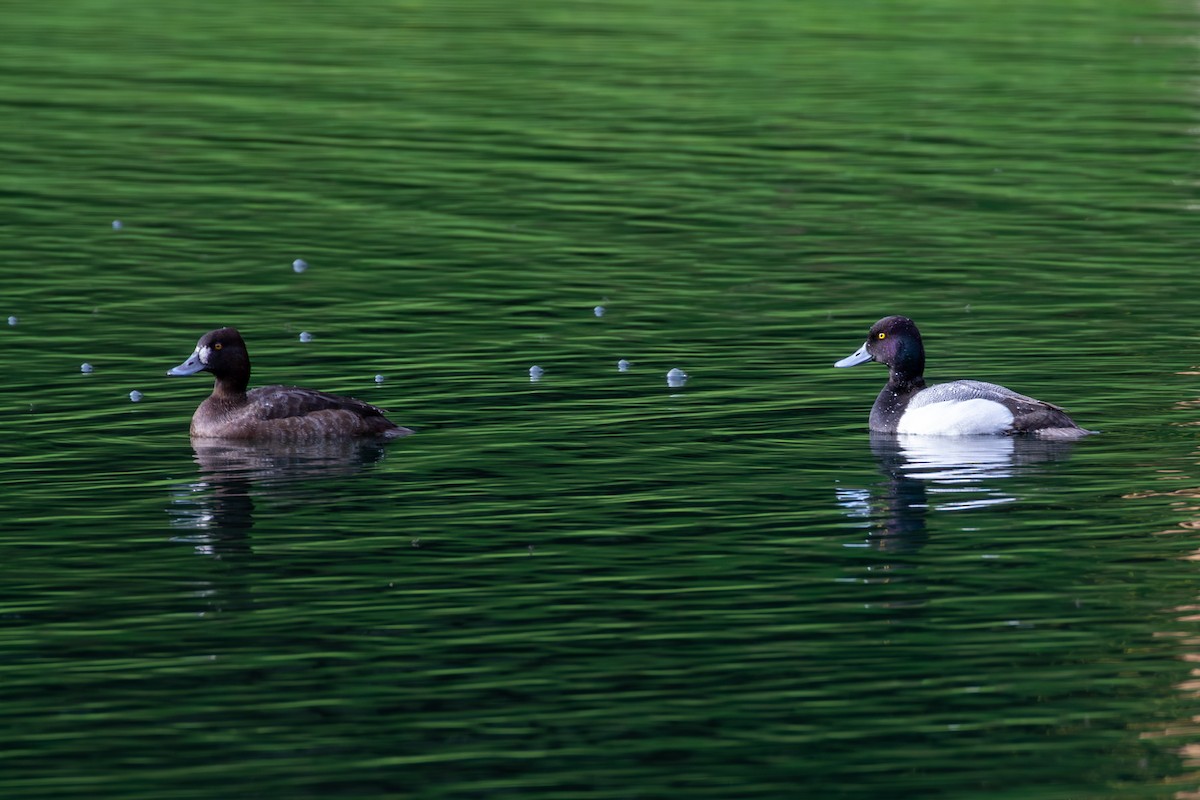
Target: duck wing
(283, 402)
(1029, 414)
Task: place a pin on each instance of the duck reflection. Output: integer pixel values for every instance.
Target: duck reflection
(216, 512)
(939, 473)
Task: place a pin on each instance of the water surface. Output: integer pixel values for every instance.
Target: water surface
(596, 585)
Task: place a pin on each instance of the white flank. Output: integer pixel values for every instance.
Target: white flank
(957, 418)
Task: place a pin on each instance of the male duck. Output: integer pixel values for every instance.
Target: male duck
(271, 412)
(960, 408)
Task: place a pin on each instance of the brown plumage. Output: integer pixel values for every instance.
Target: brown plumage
(271, 412)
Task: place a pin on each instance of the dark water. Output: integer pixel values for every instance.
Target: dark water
(594, 585)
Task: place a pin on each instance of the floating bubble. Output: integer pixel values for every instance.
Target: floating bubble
(12, 320)
(299, 265)
(598, 311)
(535, 374)
(676, 378)
(85, 367)
(379, 379)
(622, 366)
(117, 224)
(305, 336)
(136, 396)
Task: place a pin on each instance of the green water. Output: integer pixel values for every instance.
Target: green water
(593, 585)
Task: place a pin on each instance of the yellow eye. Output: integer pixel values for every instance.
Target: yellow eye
(881, 336)
(217, 346)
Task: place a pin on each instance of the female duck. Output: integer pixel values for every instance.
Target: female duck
(960, 408)
(271, 412)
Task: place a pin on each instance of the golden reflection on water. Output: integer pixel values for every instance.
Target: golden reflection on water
(1184, 501)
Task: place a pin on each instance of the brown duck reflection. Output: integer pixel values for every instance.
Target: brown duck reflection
(216, 512)
(926, 474)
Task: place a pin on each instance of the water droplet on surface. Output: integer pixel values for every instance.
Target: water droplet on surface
(12, 320)
(117, 224)
(676, 378)
(535, 374)
(299, 265)
(598, 311)
(136, 396)
(623, 366)
(379, 379)
(305, 336)
(85, 367)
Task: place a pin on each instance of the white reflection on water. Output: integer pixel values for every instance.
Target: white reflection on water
(933, 474)
(953, 467)
(957, 458)
(959, 465)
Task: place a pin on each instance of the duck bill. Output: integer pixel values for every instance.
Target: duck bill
(859, 356)
(189, 367)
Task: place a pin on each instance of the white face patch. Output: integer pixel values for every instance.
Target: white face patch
(957, 418)
(204, 353)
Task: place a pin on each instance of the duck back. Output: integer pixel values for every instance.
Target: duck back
(292, 413)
